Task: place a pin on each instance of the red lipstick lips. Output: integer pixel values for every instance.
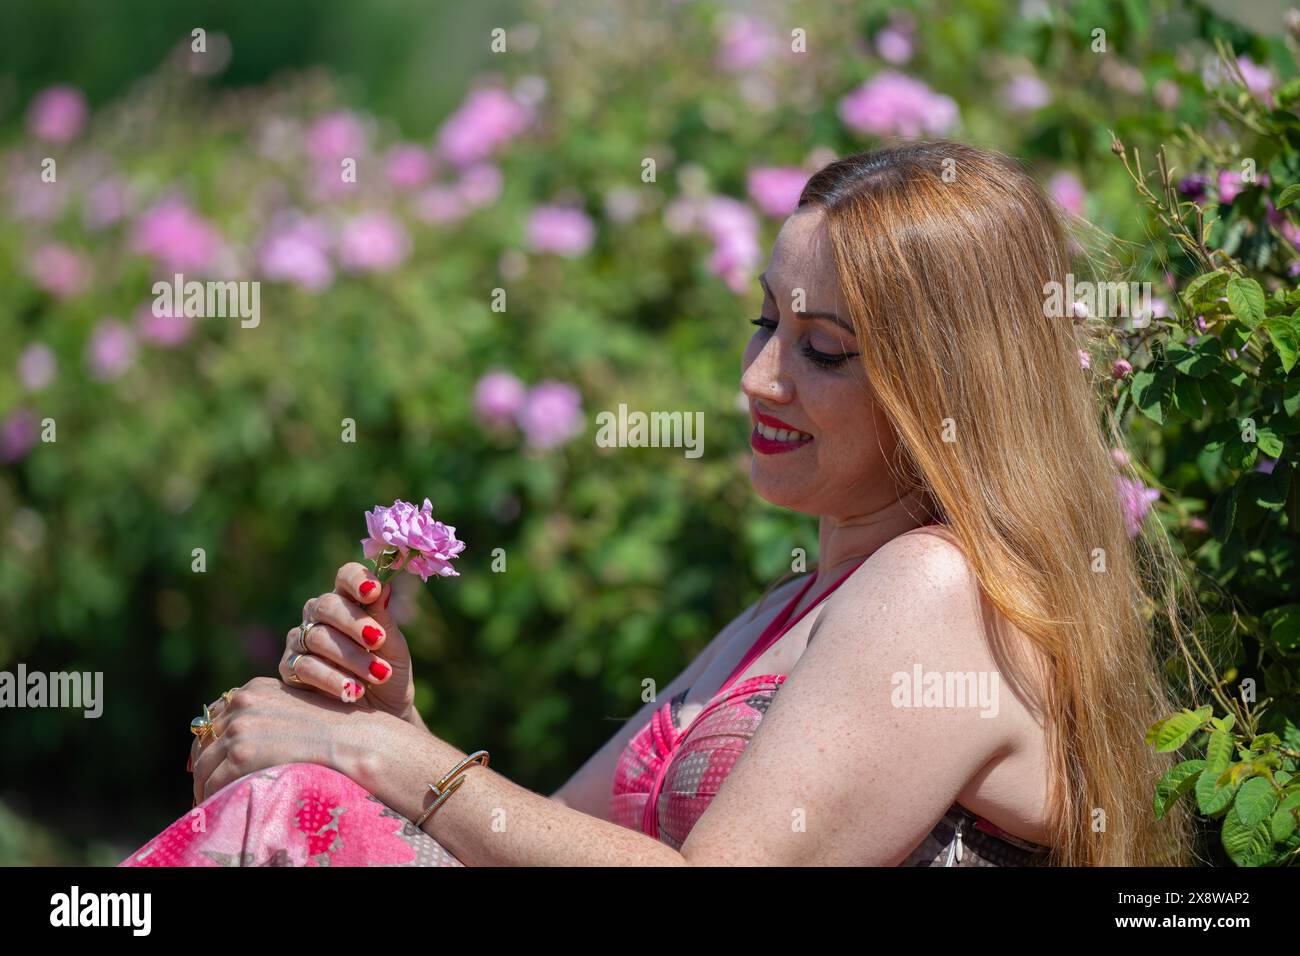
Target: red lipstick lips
(765, 445)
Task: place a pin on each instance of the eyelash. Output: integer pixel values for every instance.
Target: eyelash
(820, 359)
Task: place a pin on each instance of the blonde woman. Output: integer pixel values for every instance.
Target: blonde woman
(956, 684)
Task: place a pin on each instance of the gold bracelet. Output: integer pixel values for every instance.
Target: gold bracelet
(445, 787)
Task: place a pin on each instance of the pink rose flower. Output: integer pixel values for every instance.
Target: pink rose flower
(1067, 190)
(405, 538)
(734, 230)
(295, 248)
(1135, 502)
(893, 104)
(37, 367)
(106, 204)
(58, 270)
(373, 242)
(498, 398)
(560, 230)
(775, 189)
(487, 120)
(409, 166)
(175, 237)
(551, 414)
(111, 350)
(480, 184)
(894, 45)
(165, 331)
(57, 114)
(745, 43)
(1026, 93)
(336, 136)
(18, 435)
(1121, 368)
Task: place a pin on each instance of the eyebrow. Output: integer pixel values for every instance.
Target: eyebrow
(829, 316)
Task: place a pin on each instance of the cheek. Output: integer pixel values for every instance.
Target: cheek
(858, 433)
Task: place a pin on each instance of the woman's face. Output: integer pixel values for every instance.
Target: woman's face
(820, 441)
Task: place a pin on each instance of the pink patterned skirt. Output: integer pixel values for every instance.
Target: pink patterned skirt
(296, 815)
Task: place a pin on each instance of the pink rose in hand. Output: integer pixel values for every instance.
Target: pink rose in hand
(406, 538)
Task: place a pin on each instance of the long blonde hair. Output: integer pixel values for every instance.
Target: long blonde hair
(943, 253)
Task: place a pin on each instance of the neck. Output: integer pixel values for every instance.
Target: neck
(853, 538)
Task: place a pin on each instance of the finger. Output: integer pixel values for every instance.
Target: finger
(209, 758)
(321, 675)
(357, 582)
(214, 708)
(213, 750)
(334, 647)
(347, 616)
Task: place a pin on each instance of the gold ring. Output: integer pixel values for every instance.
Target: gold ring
(201, 726)
(293, 670)
(303, 630)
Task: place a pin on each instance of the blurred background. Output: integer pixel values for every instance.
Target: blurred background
(496, 145)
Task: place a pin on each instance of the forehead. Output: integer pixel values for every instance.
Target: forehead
(802, 255)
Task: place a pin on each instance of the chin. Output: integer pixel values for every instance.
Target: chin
(777, 491)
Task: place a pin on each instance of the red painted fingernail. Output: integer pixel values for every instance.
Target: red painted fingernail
(379, 670)
(367, 587)
(353, 689)
(371, 634)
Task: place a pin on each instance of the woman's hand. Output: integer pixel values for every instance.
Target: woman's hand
(355, 649)
(266, 724)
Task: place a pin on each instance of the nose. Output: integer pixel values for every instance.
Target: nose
(765, 378)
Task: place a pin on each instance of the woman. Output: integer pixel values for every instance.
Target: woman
(907, 388)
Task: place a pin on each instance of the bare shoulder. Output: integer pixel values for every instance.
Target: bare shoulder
(923, 592)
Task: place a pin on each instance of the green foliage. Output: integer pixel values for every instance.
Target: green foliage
(1240, 433)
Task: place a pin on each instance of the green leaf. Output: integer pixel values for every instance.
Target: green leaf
(1286, 340)
(1246, 845)
(1284, 629)
(1282, 825)
(1287, 94)
(1210, 797)
(1240, 454)
(1256, 801)
(1226, 722)
(1172, 732)
(1178, 781)
(1235, 335)
(1150, 393)
(1289, 195)
(1291, 396)
(1246, 299)
(1269, 441)
(1218, 392)
(1198, 360)
(1207, 286)
(1187, 399)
